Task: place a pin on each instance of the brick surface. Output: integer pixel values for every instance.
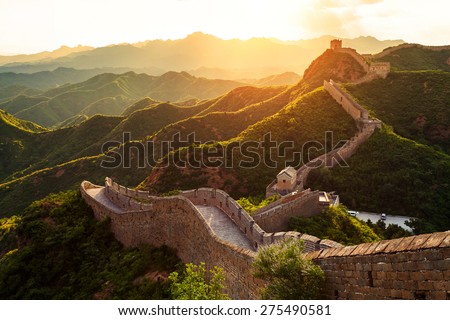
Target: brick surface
(435, 240)
(438, 295)
(426, 285)
(418, 241)
(381, 246)
(446, 242)
(399, 268)
(361, 249)
(397, 245)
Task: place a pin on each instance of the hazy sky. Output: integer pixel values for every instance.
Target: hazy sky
(35, 25)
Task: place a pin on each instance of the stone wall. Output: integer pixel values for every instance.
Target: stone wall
(415, 267)
(407, 268)
(175, 222)
(276, 217)
(345, 100)
(355, 56)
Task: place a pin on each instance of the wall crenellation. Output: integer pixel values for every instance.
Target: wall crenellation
(124, 198)
(416, 267)
(408, 268)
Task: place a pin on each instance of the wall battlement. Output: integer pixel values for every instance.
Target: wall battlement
(136, 218)
(418, 265)
(373, 69)
(335, 157)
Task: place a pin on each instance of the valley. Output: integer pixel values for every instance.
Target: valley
(55, 136)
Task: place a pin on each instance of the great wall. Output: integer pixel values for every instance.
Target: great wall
(207, 225)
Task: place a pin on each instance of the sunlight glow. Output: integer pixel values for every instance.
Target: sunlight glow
(31, 26)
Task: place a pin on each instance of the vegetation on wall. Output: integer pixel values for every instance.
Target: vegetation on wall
(289, 275)
(251, 204)
(192, 284)
(336, 224)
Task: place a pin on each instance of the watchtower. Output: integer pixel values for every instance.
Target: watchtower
(335, 44)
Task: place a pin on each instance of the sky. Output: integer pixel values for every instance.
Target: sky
(28, 26)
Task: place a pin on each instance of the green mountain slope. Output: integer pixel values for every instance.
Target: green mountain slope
(416, 57)
(21, 102)
(416, 104)
(393, 175)
(37, 259)
(86, 140)
(110, 94)
(17, 194)
(45, 80)
(141, 104)
(10, 91)
(242, 97)
(334, 65)
(29, 151)
(11, 127)
(307, 118)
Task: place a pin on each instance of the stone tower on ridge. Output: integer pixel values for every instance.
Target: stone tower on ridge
(335, 44)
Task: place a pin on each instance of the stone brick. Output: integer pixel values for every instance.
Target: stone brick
(379, 275)
(426, 285)
(400, 257)
(397, 245)
(439, 285)
(418, 241)
(407, 295)
(381, 246)
(446, 274)
(371, 249)
(361, 249)
(391, 275)
(424, 265)
(438, 295)
(417, 276)
(410, 285)
(403, 276)
(409, 266)
(436, 254)
(435, 240)
(387, 267)
(395, 294)
(399, 267)
(397, 284)
(446, 242)
(434, 275)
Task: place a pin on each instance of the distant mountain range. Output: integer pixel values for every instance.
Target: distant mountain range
(199, 54)
(403, 169)
(110, 94)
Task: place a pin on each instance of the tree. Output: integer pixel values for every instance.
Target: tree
(289, 274)
(192, 284)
